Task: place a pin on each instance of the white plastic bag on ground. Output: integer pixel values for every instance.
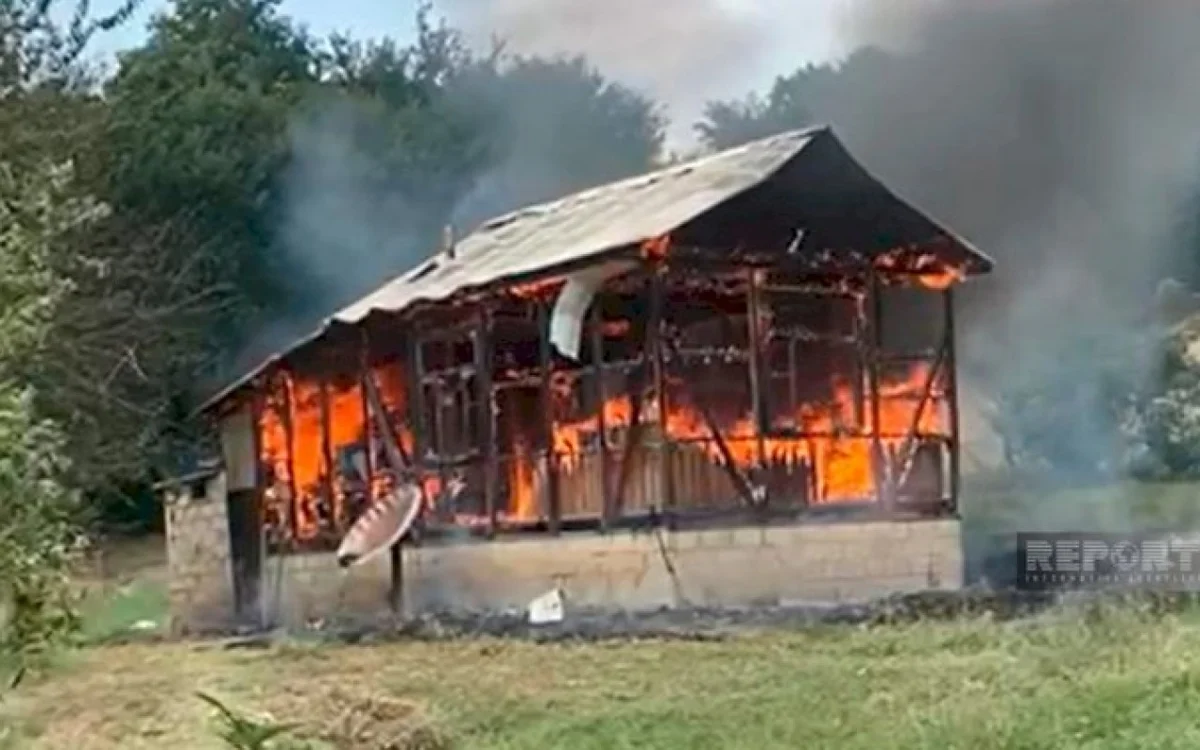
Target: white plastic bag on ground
(547, 609)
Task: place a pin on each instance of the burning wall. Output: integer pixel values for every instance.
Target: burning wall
(638, 424)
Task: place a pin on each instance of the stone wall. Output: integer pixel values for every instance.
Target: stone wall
(307, 588)
(198, 556)
(834, 562)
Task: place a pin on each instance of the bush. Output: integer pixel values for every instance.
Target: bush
(39, 535)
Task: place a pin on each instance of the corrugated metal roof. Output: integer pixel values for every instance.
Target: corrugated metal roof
(611, 216)
(574, 228)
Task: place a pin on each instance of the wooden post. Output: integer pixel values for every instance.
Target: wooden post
(657, 353)
(908, 449)
(396, 571)
(757, 405)
(290, 437)
(418, 418)
(882, 472)
(260, 505)
(633, 436)
(364, 372)
(952, 401)
(364, 384)
(416, 399)
(554, 511)
(327, 454)
(598, 392)
(862, 344)
(793, 376)
(256, 412)
(482, 345)
(437, 444)
(397, 457)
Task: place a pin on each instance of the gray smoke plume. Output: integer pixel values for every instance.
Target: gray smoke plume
(683, 52)
(348, 227)
(360, 206)
(1063, 137)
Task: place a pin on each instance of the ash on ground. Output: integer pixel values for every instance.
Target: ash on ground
(716, 624)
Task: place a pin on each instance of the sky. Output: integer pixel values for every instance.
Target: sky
(681, 52)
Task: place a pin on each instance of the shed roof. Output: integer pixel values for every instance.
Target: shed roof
(629, 212)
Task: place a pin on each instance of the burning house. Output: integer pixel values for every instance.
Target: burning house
(731, 381)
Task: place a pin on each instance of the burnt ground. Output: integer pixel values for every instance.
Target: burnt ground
(714, 624)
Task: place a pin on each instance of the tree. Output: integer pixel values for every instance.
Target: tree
(196, 126)
(39, 516)
(46, 110)
(813, 94)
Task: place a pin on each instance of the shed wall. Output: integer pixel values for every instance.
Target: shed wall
(198, 557)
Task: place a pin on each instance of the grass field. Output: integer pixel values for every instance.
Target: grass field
(1121, 678)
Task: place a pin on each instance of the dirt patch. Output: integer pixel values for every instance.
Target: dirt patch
(359, 720)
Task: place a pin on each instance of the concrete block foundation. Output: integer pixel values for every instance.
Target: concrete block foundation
(751, 566)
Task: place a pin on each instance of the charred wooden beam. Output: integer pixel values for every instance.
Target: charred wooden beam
(863, 374)
(256, 441)
(373, 410)
(952, 401)
(740, 482)
(757, 403)
(449, 375)
(437, 448)
(546, 396)
(881, 468)
(402, 469)
(657, 346)
(806, 334)
(633, 436)
(793, 376)
(415, 363)
(365, 381)
(908, 450)
(843, 288)
(597, 341)
(289, 435)
(482, 350)
(401, 463)
(327, 453)
(452, 332)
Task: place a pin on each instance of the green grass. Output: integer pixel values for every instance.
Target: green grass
(1123, 679)
(1117, 679)
(115, 611)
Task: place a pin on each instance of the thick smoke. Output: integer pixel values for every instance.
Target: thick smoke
(348, 227)
(683, 52)
(1061, 135)
(360, 206)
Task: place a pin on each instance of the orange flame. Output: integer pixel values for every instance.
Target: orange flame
(930, 272)
(535, 289)
(292, 445)
(523, 498)
(827, 441)
(657, 248)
